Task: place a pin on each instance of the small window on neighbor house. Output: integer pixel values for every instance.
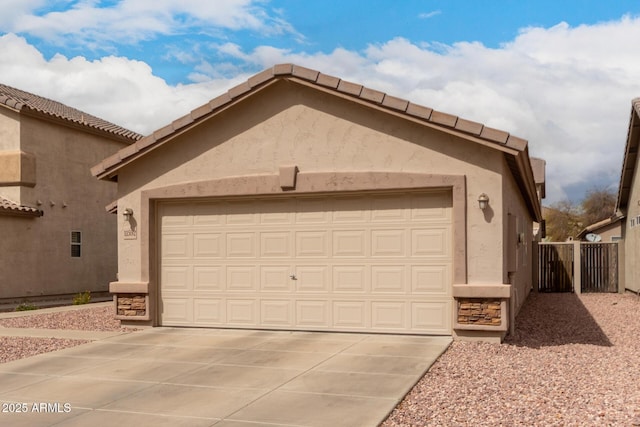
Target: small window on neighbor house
(632, 222)
(616, 238)
(76, 244)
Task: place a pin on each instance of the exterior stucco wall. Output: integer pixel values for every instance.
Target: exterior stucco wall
(9, 130)
(518, 243)
(631, 237)
(36, 252)
(318, 133)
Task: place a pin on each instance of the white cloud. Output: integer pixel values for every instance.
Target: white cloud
(427, 15)
(567, 90)
(12, 10)
(117, 89)
(130, 21)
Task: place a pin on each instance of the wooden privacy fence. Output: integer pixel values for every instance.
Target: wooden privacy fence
(555, 267)
(599, 267)
(577, 267)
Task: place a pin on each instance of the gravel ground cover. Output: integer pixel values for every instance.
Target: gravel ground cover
(572, 361)
(14, 348)
(84, 319)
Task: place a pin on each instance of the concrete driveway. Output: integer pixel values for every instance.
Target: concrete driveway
(205, 377)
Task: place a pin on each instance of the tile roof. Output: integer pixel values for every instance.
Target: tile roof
(24, 101)
(7, 207)
(478, 132)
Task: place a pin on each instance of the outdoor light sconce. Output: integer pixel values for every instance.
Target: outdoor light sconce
(128, 213)
(483, 201)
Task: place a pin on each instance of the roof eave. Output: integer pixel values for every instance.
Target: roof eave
(523, 175)
(630, 160)
(21, 213)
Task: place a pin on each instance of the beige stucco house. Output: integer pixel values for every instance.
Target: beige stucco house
(300, 201)
(57, 239)
(628, 204)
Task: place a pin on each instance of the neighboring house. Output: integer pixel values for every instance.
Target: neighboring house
(57, 238)
(301, 201)
(607, 230)
(628, 203)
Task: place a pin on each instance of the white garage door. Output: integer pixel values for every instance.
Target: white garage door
(365, 262)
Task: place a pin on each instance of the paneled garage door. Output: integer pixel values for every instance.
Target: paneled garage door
(363, 262)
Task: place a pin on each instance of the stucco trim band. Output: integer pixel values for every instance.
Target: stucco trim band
(129, 287)
(481, 291)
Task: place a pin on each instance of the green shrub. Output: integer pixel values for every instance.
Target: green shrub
(82, 298)
(26, 306)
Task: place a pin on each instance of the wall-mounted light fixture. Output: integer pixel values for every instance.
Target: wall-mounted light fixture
(128, 213)
(483, 201)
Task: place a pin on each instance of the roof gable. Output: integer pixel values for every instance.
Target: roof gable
(514, 148)
(26, 102)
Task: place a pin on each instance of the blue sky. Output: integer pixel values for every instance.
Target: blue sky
(558, 73)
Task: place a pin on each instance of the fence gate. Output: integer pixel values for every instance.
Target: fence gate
(555, 267)
(599, 267)
(598, 264)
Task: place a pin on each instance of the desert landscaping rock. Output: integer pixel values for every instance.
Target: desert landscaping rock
(573, 361)
(13, 348)
(83, 319)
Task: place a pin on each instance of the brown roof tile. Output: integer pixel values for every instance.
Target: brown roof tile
(419, 111)
(444, 119)
(239, 90)
(21, 100)
(7, 207)
(219, 101)
(305, 73)
(474, 128)
(328, 81)
(395, 103)
(280, 69)
(372, 95)
(495, 135)
(260, 78)
(350, 88)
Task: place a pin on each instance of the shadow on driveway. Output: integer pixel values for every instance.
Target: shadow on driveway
(551, 319)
